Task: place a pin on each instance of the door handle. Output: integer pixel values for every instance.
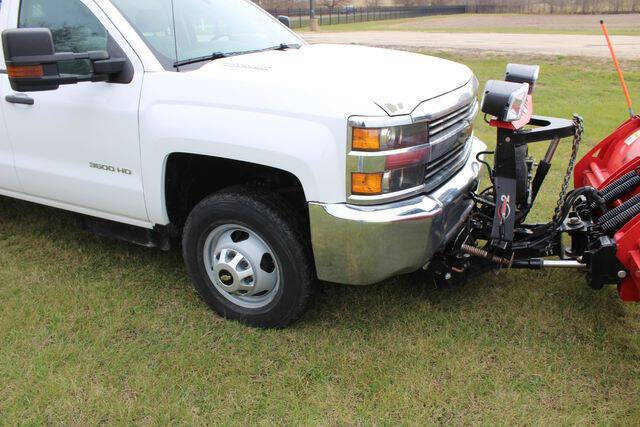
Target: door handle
(14, 99)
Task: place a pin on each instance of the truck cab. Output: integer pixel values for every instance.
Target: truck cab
(210, 125)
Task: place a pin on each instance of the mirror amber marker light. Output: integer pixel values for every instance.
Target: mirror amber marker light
(25, 71)
(366, 183)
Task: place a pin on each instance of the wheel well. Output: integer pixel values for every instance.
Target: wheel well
(189, 178)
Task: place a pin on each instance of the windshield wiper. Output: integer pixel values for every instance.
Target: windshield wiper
(218, 55)
(281, 46)
(212, 57)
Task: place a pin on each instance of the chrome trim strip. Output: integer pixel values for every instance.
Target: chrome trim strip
(451, 117)
(450, 120)
(379, 121)
(436, 108)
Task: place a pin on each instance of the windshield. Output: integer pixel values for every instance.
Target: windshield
(179, 30)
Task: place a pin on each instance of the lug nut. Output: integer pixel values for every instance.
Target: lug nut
(447, 276)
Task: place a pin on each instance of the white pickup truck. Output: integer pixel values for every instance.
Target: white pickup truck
(275, 162)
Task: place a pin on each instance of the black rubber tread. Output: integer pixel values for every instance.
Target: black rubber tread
(275, 221)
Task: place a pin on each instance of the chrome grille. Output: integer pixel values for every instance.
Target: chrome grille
(438, 128)
(450, 145)
(446, 166)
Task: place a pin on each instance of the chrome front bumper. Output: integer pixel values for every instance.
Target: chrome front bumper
(361, 245)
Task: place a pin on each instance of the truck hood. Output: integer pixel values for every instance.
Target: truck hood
(395, 81)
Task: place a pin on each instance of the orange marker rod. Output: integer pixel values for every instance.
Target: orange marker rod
(618, 69)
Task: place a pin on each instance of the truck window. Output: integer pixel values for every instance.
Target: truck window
(73, 26)
(186, 29)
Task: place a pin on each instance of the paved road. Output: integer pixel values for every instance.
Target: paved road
(627, 47)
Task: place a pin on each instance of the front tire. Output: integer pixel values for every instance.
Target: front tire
(248, 258)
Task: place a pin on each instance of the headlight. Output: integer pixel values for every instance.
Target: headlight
(391, 138)
(505, 100)
(403, 169)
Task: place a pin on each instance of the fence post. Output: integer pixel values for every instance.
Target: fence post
(300, 17)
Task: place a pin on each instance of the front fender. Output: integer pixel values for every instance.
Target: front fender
(310, 148)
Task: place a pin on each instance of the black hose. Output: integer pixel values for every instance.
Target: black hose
(614, 224)
(623, 207)
(594, 198)
(489, 169)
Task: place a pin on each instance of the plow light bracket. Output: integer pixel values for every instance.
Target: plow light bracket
(506, 101)
(519, 73)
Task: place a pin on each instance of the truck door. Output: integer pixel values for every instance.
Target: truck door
(8, 178)
(77, 147)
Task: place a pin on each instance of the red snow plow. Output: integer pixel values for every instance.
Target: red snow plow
(595, 227)
(613, 168)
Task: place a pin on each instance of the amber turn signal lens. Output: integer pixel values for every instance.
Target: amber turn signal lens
(25, 71)
(366, 183)
(366, 139)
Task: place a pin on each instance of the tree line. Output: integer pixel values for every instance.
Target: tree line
(480, 6)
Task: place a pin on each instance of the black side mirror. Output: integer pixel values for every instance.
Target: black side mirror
(32, 63)
(285, 20)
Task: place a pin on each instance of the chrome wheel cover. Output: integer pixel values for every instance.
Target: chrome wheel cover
(241, 266)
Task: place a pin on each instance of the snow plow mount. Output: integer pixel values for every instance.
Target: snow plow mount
(600, 217)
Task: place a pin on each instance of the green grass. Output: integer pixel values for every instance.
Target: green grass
(96, 331)
(501, 25)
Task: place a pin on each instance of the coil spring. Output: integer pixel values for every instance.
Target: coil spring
(623, 207)
(480, 253)
(614, 224)
(619, 188)
(624, 178)
(622, 189)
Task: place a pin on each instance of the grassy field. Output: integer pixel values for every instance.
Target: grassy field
(624, 24)
(96, 331)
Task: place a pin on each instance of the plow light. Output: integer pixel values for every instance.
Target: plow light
(518, 73)
(506, 101)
